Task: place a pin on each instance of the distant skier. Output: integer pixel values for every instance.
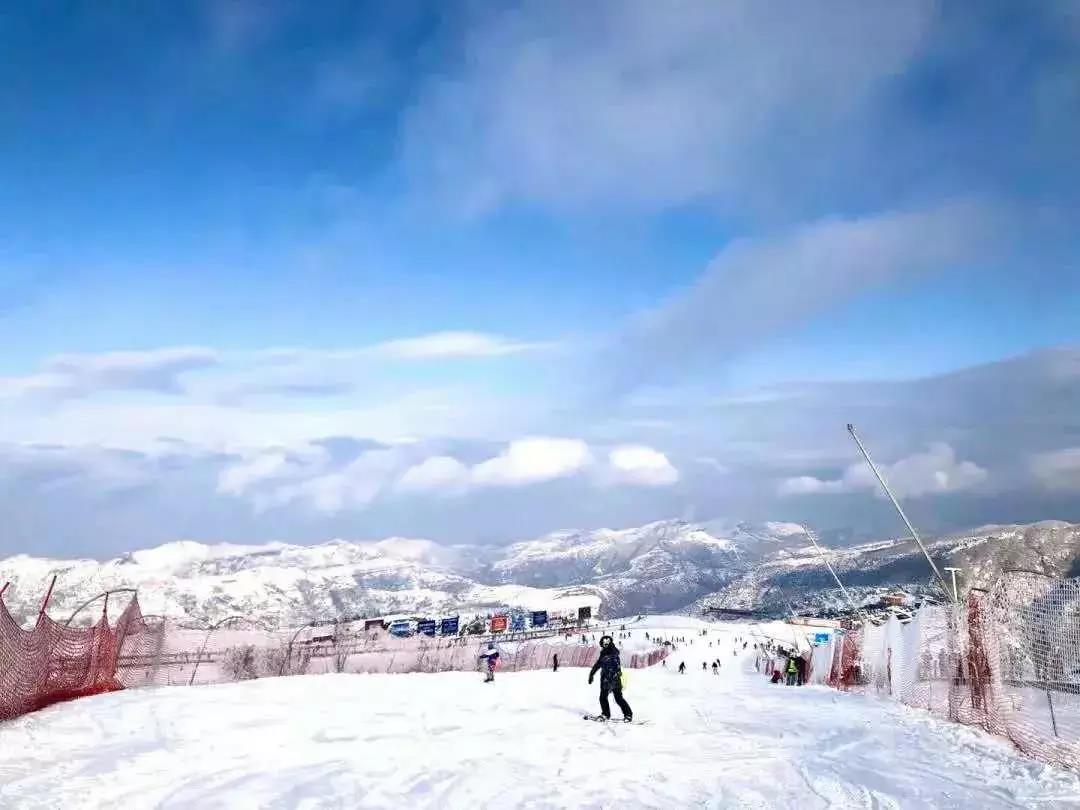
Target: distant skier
(703, 666)
(555, 662)
(492, 656)
(682, 668)
(610, 679)
(715, 669)
(792, 671)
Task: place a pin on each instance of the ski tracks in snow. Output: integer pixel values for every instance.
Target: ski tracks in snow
(449, 741)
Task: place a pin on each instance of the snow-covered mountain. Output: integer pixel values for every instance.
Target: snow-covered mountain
(279, 584)
(662, 566)
(797, 573)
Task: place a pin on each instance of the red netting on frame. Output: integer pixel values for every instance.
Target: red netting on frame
(52, 662)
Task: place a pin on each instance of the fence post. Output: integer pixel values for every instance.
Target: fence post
(1050, 702)
(45, 601)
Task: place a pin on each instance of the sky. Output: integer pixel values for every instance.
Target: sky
(475, 272)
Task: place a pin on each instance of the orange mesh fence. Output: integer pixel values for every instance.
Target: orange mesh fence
(53, 662)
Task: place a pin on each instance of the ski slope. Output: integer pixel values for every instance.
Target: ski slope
(449, 741)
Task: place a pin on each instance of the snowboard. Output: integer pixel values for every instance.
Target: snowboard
(599, 718)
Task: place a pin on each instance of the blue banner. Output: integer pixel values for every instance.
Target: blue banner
(426, 626)
(821, 638)
(539, 618)
(450, 626)
(401, 628)
(517, 621)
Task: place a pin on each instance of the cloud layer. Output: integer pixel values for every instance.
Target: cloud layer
(653, 104)
(935, 471)
(311, 476)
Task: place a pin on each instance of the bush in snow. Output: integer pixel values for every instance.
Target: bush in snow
(239, 663)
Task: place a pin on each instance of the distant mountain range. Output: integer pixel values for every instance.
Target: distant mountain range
(660, 567)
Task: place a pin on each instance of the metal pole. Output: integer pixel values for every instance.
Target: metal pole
(828, 565)
(1053, 717)
(900, 511)
(45, 602)
(956, 597)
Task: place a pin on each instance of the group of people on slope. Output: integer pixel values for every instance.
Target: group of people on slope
(785, 666)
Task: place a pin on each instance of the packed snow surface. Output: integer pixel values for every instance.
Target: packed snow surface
(450, 741)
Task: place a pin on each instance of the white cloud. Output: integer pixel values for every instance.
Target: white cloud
(755, 289)
(273, 466)
(446, 345)
(434, 346)
(643, 466)
(714, 464)
(308, 474)
(652, 103)
(436, 474)
(353, 487)
(1058, 470)
(78, 375)
(533, 460)
(935, 471)
(808, 485)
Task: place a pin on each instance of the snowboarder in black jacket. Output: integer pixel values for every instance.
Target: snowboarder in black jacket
(610, 679)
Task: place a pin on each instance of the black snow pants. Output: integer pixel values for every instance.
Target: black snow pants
(616, 691)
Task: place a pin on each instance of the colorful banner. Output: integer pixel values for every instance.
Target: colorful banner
(498, 624)
(401, 628)
(449, 626)
(517, 621)
(426, 626)
(539, 618)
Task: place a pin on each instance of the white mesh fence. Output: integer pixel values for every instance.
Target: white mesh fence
(1007, 660)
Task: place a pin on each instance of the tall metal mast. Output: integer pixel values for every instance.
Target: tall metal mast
(900, 511)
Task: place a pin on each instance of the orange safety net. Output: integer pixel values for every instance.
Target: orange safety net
(53, 662)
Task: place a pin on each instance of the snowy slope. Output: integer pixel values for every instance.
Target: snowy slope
(450, 741)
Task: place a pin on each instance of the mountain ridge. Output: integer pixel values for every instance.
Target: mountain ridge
(662, 566)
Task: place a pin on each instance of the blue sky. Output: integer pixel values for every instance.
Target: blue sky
(566, 243)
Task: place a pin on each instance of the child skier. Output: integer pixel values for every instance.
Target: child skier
(610, 679)
(492, 656)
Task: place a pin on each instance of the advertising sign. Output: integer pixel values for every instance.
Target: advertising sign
(401, 629)
(498, 624)
(449, 626)
(539, 618)
(517, 621)
(426, 626)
